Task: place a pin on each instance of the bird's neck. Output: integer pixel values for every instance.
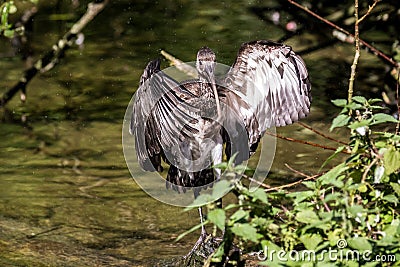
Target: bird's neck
(205, 88)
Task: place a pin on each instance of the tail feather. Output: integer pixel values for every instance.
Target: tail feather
(180, 180)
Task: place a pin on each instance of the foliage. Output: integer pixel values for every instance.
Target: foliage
(350, 211)
(6, 28)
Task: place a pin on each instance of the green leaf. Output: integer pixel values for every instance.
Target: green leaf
(200, 201)
(217, 256)
(391, 160)
(359, 99)
(332, 176)
(307, 216)
(360, 243)
(340, 121)
(217, 217)
(374, 100)
(246, 231)
(391, 198)
(238, 215)
(241, 168)
(359, 124)
(338, 151)
(221, 188)
(301, 196)
(339, 102)
(259, 194)
(381, 117)
(354, 106)
(222, 165)
(8, 33)
(311, 241)
(396, 188)
(355, 210)
(309, 184)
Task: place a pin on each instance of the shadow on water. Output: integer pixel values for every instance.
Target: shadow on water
(66, 196)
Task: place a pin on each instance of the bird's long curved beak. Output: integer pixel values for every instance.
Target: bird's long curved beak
(211, 79)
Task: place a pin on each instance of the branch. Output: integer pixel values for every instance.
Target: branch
(374, 50)
(277, 188)
(51, 58)
(398, 100)
(305, 142)
(356, 55)
(369, 10)
(180, 65)
(321, 134)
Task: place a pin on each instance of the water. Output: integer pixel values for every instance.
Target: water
(66, 196)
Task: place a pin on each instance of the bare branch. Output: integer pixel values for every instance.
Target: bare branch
(356, 55)
(277, 188)
(398, 100)
(321, 134)
(180, 65)
(305, 142)
(370, 8)
(296, 171)
(374, 50)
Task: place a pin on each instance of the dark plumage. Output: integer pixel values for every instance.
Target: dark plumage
(181, 123)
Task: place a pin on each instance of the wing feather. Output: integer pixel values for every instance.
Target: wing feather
(161, 116)
(274, 83)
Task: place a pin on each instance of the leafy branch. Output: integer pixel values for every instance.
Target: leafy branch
(52, 57)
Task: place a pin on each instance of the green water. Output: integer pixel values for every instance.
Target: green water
(66, 195)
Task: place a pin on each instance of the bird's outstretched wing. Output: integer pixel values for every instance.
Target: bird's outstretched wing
(274, 83)
(161, 117)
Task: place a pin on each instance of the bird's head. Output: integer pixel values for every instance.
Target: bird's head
(205, 64)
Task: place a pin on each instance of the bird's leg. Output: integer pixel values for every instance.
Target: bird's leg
(202, 238)
(203, 229)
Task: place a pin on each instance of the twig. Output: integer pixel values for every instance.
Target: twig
(51, 58)
(370, 47)
(368, 11)
(398, 100)
(277, 188)
(180, 65)
(321, 134)
(356, 55)
(256, 181)
(305, 142)
(268, 188)
(33, 235)
(364, 177)
(296, 171)
(322, 198)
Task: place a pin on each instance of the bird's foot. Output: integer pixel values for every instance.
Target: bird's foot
(202, 249)
(203, 237)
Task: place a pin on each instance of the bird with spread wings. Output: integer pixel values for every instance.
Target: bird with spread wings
(190, 124)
